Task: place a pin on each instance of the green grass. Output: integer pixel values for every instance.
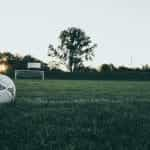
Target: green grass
(77, 115)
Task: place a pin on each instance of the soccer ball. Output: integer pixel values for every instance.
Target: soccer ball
(7, 89)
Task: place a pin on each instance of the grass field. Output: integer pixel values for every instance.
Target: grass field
(77, 115)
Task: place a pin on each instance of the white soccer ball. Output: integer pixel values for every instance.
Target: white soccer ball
(7, 89)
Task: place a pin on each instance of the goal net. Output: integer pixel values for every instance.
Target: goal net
(29, 74)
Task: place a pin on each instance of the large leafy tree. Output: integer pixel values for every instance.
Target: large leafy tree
(74, 49)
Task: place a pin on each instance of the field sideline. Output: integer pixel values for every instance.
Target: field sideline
(77, 115)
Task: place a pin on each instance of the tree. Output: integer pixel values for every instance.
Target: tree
(107, 68)
(146, 67)
(74, 49)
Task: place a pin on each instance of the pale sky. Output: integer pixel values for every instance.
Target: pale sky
(121, 28)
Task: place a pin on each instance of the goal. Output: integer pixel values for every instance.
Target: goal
(29, 74)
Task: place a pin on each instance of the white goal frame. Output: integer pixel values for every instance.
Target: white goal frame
(27, 71)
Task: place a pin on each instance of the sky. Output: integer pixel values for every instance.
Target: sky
(121, 28)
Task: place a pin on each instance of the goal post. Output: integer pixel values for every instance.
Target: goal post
(29, 74)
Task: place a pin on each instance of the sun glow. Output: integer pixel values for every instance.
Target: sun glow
(3, 68)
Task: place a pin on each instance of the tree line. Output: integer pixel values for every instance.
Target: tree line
(14, 62)
(20, 62)
(74, 49)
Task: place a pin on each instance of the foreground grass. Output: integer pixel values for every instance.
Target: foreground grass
(77, 115)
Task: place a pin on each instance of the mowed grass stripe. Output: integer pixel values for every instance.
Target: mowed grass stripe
(64, 89)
